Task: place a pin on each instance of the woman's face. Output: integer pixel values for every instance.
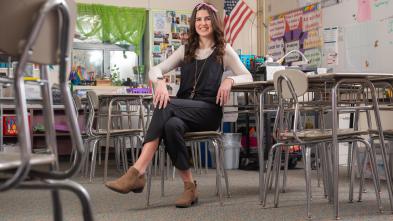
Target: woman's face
(203, 23)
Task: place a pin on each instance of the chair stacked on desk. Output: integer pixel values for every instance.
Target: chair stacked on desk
(40, 31)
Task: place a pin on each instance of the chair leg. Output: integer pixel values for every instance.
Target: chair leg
(69, 185)
(123, 155)
(363, 165)
(199, 157)
(99, 154)
(262, 183)
(193, 156)
(317, 165)
(218, 168)
(125, 158)
(57, 207)
(156, 163)
(173, 173)
(149, 175)
(106, 159)
(271, 177)
(352, 171)
(206, 156)
(168, 166)
(268, 172)
(329, 166)
(308, 180)
(375, 157)
(278, 168)
(224, 171)
(93, 160)
(376, 180)
(284, 179)
(322, 157)
(162, 168)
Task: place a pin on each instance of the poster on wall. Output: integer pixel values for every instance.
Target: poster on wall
(169, 30)
(297, 30)
(330, 46)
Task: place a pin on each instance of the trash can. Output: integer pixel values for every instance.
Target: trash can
(231, 150)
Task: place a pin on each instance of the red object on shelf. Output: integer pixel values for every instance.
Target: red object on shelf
(9, 125)
(252, 142)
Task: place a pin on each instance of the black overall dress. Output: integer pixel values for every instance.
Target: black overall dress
(184, 114)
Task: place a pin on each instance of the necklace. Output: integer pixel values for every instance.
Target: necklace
(196, 77)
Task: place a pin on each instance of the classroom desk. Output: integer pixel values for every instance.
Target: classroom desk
(330, 82)
(258, 89)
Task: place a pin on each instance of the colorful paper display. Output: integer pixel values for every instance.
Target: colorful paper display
(296, 30)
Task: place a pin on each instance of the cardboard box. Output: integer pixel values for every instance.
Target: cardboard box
(103, 82)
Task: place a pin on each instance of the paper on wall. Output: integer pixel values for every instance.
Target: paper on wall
(270, 70)
(330, 46)
(277, 28)
(364, 10)
(314, 56)
(313, 40)
(276, 48)
(159, 21)
(293, 45)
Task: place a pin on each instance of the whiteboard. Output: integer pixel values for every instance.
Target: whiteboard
(366, 45)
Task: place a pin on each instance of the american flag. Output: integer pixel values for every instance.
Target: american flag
(236, 14)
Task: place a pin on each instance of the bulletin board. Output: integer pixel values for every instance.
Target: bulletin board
(168, 31)
(299, 29)
(364, 35)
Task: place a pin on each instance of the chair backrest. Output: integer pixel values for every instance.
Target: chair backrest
(92, 95)
(77, 102)
(289, 84)
(297, 78)
(39, 31)
(16, 21)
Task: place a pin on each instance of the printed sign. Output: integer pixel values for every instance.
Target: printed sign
(296, 30)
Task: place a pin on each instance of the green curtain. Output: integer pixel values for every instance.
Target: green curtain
(111, 24)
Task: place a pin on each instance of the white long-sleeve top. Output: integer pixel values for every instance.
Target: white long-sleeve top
(231, 62)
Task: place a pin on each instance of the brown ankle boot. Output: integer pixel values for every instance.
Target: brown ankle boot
(131, 181)
(189, 196)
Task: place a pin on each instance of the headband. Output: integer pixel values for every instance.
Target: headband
(199, 6)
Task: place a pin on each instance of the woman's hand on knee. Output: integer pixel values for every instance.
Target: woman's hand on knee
(161, 96)
(223, 92)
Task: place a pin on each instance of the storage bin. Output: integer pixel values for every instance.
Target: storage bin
(231, 150)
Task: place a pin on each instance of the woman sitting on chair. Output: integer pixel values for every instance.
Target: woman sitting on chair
(198, 103)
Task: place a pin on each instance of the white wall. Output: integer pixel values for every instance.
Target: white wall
(246, 40)
(274, 7)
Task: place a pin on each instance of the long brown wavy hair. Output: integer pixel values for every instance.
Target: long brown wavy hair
(193, 39)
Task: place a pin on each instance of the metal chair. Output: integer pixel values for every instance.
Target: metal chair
(40, 31)
(116, 131)
(216, 139)
(291, 84)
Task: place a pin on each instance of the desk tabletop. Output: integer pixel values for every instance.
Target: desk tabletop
(251, 86)
(351, 75)
(114, 95)
(261, 85)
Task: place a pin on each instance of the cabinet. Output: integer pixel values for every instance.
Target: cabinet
(37, 134)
